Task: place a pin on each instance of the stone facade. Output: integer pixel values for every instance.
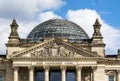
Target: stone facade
(85, 59)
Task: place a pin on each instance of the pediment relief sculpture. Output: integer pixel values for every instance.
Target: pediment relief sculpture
(54, 51)
(55, 48)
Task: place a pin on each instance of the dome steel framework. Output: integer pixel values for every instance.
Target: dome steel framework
(58, 28)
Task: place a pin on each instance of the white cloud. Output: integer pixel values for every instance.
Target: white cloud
(47, 15)
(25, 12)
(27, 9)
(4, 29)
(86, 18)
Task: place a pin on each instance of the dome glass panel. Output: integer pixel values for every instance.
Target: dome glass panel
(58, 28)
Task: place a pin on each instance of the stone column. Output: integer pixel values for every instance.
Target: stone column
(63, 73)
(31, 73)
(16, 74)
(46, 69)
(78, 72)
(118, 75)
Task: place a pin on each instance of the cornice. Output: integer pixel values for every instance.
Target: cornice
(58, 59)
(97, 45)
(109, 62)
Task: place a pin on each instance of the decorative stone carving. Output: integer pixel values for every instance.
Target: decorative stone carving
(54, 50)
(111, 72)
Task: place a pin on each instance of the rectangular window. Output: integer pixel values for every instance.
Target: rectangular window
(40, 75)
(0, 77)
(111, 78)
(55, 75)
(70, 75)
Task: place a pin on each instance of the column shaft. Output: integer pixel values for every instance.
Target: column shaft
(31, 73)
(15, 73)
(46, 73)
(78, 73)
(63, 73)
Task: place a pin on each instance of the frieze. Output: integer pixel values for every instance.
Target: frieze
(54, 63)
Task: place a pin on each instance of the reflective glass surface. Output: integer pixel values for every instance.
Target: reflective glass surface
(0, 77)
(111, 78)
(55, 75)
(39, 76)
(70, 75)
(58, 28)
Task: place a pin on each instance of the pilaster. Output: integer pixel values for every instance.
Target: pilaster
(118, 75)
(93, 73)
(99, 73)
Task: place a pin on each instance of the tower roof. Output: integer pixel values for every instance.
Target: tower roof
(14, 22)
(97, 22)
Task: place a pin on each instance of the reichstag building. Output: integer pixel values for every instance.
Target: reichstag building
(58, 50)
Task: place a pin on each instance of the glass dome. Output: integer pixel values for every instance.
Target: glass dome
(58, 28)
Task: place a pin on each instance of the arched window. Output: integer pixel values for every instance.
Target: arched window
(111, 75)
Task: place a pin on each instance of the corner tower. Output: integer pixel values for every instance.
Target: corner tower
(97, 40)
(13, 39)
(14, 36)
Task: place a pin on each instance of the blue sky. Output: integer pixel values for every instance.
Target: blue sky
(30, 13)
(108, 9)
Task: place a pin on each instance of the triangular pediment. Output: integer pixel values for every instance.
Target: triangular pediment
(54, 48)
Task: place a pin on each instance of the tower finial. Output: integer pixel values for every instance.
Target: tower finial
(97, 27)
(14, 22)
(97, 22)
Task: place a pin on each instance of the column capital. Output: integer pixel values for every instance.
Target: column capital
(63, 67)
(16, 67)
(31, 67)
(78, 67)
(46, 67)
(118, 71)
(94, 67)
